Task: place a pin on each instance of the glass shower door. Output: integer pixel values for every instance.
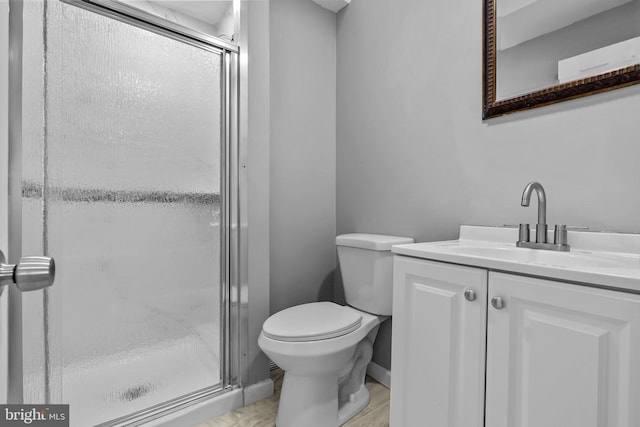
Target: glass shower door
(123, 177)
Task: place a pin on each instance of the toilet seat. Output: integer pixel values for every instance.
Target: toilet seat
(312, 322)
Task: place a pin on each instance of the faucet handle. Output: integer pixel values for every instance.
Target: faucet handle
(523, 233)
(560, 234)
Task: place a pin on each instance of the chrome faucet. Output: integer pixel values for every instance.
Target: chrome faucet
(559, 232)
(541, 226)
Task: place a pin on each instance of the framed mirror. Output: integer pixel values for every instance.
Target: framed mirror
(539, 52)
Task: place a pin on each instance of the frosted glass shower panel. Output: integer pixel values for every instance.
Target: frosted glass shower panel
(129, 151)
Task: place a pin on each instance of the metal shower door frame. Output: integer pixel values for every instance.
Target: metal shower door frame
(231, 249)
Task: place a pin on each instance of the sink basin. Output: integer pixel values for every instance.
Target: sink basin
(606, 259)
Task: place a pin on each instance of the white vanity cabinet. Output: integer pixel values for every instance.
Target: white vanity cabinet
(560, 354)
(438, 348)
(557, 354)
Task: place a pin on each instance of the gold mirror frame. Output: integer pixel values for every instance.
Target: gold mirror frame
(561, 92)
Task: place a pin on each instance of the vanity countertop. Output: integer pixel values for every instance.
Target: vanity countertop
(610, 260)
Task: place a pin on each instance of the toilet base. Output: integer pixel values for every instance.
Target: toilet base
(310, 401)
(329, 399)
(318, 396)
(356, 403)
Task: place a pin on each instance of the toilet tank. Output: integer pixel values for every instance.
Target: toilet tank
(366, 264)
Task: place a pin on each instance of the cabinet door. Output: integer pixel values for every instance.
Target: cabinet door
(438, 348)
(562, 355)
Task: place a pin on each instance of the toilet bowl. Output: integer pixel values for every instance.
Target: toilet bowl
(324, 348)
(324, 377)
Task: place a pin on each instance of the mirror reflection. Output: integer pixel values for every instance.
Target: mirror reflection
(543, 43)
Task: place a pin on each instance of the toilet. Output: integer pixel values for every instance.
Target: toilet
(324, 348)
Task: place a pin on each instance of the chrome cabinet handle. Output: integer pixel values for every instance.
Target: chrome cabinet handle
(30, 274)
(497, 303)
(470, 295)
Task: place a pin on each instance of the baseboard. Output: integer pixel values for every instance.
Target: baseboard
(258, 391)
(380, 374)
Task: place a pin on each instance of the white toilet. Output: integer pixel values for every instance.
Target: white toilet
(324, 348)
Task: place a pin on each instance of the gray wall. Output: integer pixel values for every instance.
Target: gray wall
(414, 157)
(254, 176)
(303, 152)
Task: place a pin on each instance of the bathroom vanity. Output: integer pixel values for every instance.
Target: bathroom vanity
(488, 334)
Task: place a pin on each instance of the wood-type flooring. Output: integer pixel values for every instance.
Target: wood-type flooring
(263, 412)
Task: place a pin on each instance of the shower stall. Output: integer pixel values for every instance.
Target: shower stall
(124, 170)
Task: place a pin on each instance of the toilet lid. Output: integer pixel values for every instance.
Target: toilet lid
(312, 322)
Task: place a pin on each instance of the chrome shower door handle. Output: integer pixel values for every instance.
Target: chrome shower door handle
(30, 274)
